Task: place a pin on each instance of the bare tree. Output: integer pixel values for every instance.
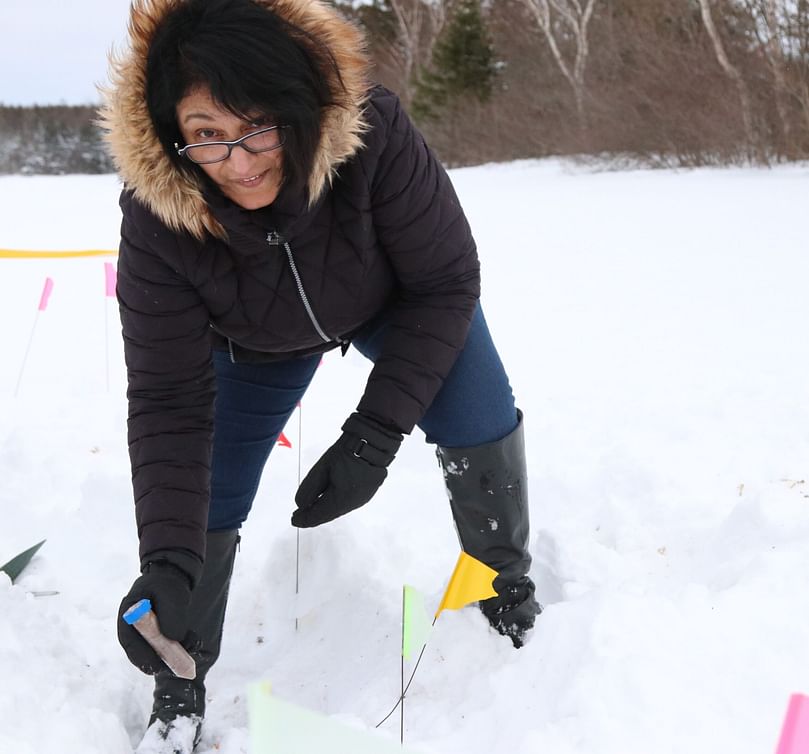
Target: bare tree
(796, 28)
(775, 57)
(418, 24)
(765, 22)
(567, 18)
(782, 32)
(730, 70)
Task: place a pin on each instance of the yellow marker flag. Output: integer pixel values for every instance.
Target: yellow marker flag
(470, 581)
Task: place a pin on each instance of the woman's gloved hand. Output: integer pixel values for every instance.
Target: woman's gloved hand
(348, 474)
(169, 589)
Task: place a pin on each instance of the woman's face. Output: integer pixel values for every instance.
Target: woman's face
(250, 180)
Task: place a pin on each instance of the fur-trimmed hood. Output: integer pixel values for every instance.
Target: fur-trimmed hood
(177, 197)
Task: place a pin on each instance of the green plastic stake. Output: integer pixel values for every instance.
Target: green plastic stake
(17, 565)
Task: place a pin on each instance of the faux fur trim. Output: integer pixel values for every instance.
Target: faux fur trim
(176, 197)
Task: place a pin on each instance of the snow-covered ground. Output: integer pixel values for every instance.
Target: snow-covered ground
(654, 327)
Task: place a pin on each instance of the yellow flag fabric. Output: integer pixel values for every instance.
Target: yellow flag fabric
(471, 581)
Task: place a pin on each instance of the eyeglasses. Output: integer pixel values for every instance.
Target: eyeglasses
(264, 140)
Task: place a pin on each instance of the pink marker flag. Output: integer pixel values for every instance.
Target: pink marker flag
(43, 305)
(110, 278)
(795, 733)
(46, 294)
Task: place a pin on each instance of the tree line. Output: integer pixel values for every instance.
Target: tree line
(51, 140)
(666, 82)
(660, 82)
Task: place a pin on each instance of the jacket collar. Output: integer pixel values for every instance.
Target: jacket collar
(179, 199)
(289, 215)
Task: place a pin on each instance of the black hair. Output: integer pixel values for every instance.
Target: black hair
(252, 61)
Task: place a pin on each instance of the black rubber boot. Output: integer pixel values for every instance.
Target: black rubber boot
(488, 493)
(179, 704)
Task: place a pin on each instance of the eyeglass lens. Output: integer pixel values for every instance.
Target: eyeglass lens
(261, 141)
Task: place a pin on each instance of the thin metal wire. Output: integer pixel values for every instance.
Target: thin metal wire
(25, 355)
(412, 675)
(401, 709)
(107, 340)
(298, 531)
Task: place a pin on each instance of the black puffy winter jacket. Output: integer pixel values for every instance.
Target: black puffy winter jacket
(380, 227)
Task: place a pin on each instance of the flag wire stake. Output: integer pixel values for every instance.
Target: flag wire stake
(400, 700)
(25, 355)
(297, 530)
(107, 340)
(43, 304)
(401, 709)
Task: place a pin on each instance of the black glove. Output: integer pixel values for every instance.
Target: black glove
(169, 589)
(348, 474)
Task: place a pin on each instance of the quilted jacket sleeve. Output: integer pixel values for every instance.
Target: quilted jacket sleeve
(171, 391)
(422, 228)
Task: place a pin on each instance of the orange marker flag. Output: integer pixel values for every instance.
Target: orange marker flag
(470, 581)
(282, 440)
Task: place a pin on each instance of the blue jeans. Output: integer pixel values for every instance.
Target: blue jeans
(474, 406)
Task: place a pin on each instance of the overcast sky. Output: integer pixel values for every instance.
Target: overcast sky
(55, 51)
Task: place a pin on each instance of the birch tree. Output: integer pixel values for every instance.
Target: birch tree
(783, 37)
(560, 21)
(775, 57)
(796, 22)
(730, 71)
(418, 23)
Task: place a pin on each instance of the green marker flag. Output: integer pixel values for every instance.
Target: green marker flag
(416, 624)
(278, 727)
(17, 564)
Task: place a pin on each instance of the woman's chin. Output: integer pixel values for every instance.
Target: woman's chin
(253, 197)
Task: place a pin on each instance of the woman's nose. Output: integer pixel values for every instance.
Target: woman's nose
(241, 160)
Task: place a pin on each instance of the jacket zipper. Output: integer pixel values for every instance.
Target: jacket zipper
(274, 239)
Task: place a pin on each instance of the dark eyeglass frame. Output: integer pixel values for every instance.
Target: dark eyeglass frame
(183, 151)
